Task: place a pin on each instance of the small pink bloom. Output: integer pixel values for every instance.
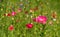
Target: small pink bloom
(29, 25)
(50, 22)
(34, 19)
(13, 13)
(40, 19)
(31, 10)
(19, 10)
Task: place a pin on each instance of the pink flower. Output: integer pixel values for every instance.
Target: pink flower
(11, 27)
(13, 13)
(40, 19)
(19, 10)
(29, 25)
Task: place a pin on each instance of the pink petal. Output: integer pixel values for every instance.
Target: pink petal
(13, 13)
(44, 22)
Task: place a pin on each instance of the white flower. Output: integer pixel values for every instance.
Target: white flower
(54, 19)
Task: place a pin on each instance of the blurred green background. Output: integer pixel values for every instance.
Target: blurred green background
(20, 30)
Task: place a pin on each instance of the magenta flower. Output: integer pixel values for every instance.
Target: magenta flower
(13, 13)
(40, 19)
(29, 25)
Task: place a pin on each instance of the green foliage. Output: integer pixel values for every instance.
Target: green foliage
(20, 30)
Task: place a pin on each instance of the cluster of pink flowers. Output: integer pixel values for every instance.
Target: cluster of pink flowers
(10, 14)
(39, 19)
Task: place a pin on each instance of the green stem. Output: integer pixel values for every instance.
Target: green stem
(43, 29)
(11, 34)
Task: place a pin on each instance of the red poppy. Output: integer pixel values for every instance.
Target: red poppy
(8, 14)
(11, 27)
